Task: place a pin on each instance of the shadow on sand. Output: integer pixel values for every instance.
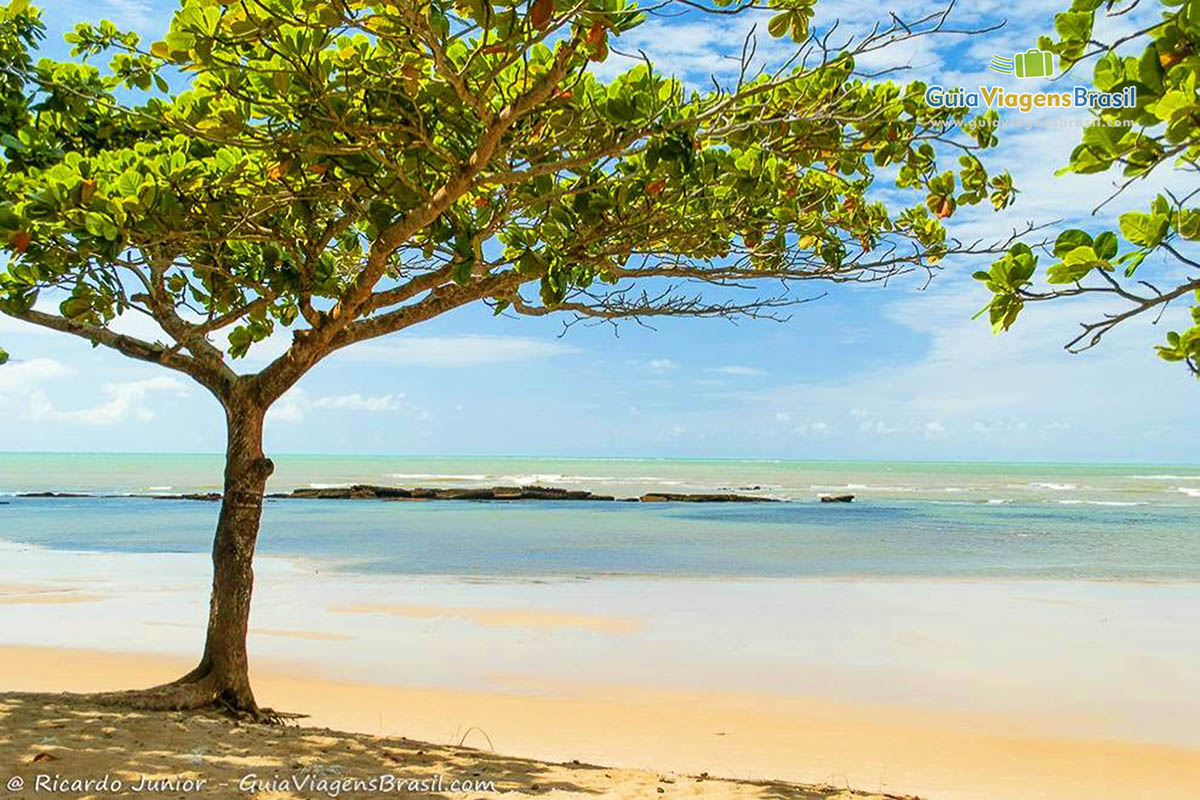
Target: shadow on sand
(68, 739)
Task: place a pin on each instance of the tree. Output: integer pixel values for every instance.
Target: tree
(347, 170)
(1162, 129)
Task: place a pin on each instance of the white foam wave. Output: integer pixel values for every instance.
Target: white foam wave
(434, 476)
(861, 487)
(553, 478)
(1164, 477)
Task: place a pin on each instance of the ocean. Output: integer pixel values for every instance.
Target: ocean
(909, 520)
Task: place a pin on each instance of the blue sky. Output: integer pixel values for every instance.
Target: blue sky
(891, 372)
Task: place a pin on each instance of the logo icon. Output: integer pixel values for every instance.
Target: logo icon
(1030, 64)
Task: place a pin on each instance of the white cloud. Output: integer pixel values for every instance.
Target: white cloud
(22, 376)
(131, 14)
(22, 386)
(357, 402)
(286, 409)
(454, 351)
(124, 400)
(1017, 395)
(662, 364)
(672, 432)
(736, 370)
(877, 427)
(293, 406)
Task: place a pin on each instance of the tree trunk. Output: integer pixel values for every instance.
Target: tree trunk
(222, 676)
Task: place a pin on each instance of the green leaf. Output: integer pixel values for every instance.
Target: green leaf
(779, 24)
(1069, 240)
(1073, 26)
(1132, 260)
(1084, 254)
(1187, 223)
(461, 274)
(1143, 229)
(1105, 245)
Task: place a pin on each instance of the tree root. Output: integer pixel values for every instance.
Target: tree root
(197, 694)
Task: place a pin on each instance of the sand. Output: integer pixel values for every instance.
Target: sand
(58, 743)
(504, 617)
(11, 594)
(639, 732)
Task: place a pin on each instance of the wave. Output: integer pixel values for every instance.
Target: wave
(863, 487)
(551, 478)
(1164, 477)
(433, 476)
(529, 478)
(1101, 503)
(1055, 487)
(1190, 492)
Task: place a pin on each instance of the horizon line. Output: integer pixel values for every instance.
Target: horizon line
(514, 457)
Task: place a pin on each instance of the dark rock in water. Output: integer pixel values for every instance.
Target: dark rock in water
(666, 497)
(362, 491)
(209, 497)
(837, 498)
(551, 493)
(367, 492)
(321, 494)
(464, 494)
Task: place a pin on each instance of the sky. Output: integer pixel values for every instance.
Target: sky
(865, 372)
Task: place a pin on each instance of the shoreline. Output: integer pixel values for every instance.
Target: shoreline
(735, 735)
(1059, 659)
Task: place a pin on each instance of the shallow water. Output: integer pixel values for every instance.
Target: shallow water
(1113, 522)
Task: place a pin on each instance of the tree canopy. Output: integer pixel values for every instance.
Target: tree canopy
(1162, 61)
(349, 169)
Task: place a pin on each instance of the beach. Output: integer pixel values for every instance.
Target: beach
(1032, 649)
(745, 736)
(652, 675)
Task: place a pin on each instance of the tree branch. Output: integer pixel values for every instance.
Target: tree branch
(130, 346)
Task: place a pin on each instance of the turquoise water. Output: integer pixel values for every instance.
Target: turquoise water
(926, 481)
(1108, 522)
